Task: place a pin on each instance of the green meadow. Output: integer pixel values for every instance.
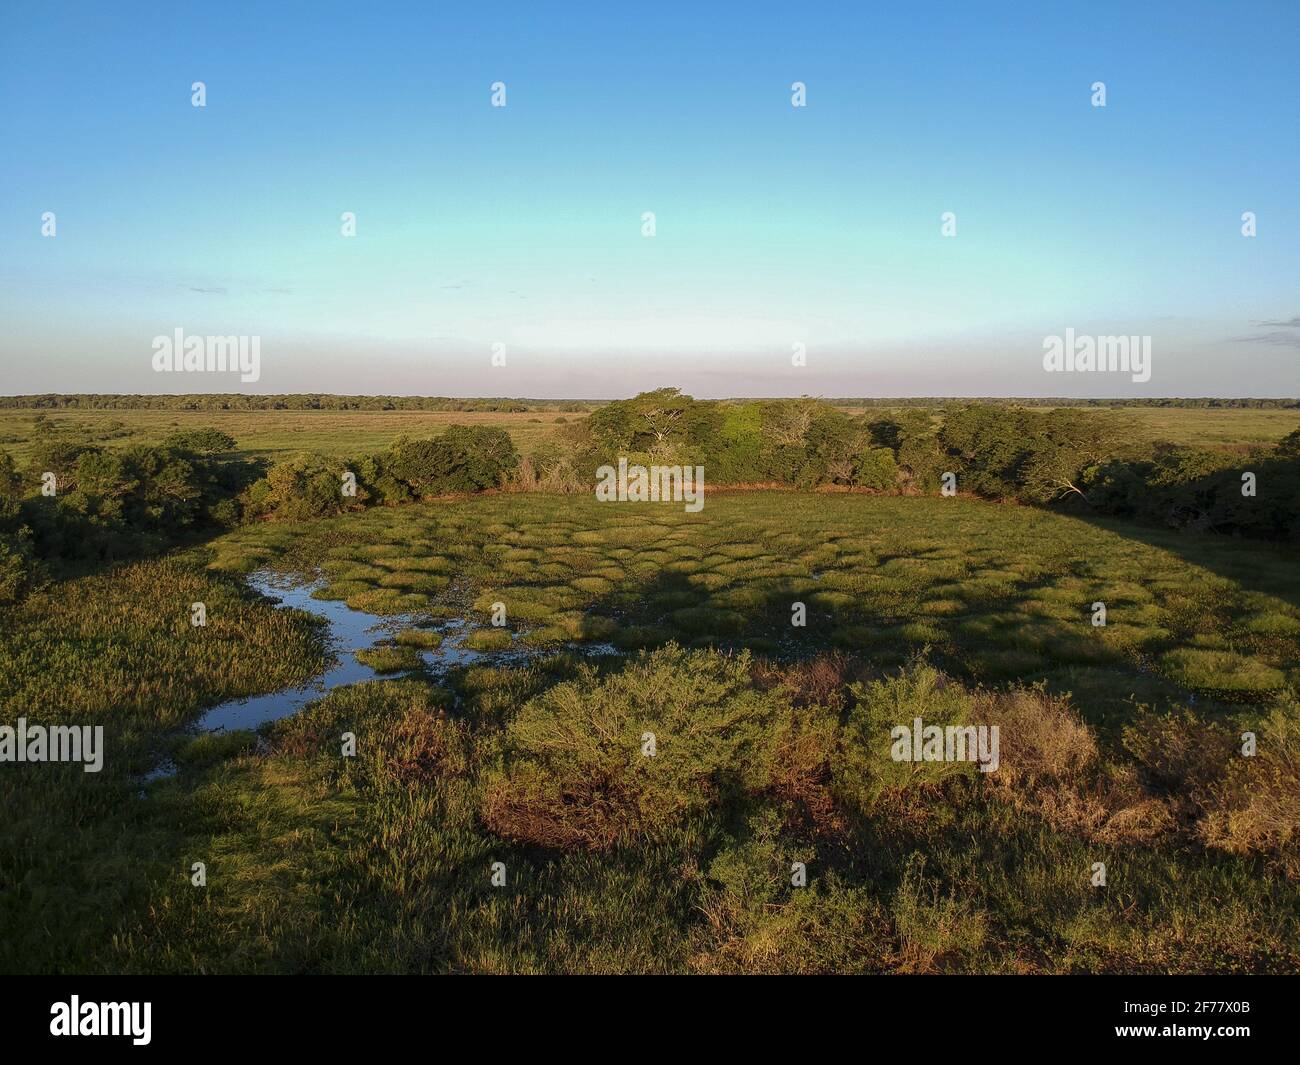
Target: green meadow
(276, 434)
(271, 434)
(504, 815)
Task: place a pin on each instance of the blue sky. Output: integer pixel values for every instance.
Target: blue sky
(775, 225)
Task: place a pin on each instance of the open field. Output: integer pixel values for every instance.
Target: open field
(1212, 427)
(277, 434)
(773, 748)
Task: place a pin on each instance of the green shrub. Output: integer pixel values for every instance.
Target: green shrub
(875, 468)
(864, 768)
(573, 773)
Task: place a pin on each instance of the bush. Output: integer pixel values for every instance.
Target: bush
(205, 441)
(462, 459)
(17, 569)
(875, 468)
(864, 769)
(301, 488)
(572, 772)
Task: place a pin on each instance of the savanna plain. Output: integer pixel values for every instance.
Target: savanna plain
(500, 812)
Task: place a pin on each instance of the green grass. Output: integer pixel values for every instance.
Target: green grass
(771, 739)
(278, 434)
(1226, 427)
(421, 638)
(1208, 427)
(389, 659)
(488, 640)
(995, 593)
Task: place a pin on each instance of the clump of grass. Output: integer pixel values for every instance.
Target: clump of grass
(386, 658)
(933, 925)
(1221, 671)
(213, 747)
(578, 626)
(489, 640)
(1254, 806)
(421, 638)
(414, 581)
(380, 601)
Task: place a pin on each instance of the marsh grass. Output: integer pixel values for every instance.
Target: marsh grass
(386, 658)
(950, 609)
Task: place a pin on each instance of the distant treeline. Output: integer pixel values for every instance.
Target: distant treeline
(1204, 402)
(318, 401)
(238, 402)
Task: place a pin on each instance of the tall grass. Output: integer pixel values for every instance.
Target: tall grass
(1120, 745)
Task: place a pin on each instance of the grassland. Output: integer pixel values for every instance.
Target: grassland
(996, 594)
(771, 749)
(1209, 427)
(1215, 427)
(275, 435)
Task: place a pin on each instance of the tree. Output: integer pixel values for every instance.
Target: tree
(205, 441)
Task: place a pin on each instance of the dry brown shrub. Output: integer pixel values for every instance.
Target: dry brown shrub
(822, 680)
(424, 745)
(1042, 739)
(589, 814)
(801, 771)
(1050, 763)
(1254, 808)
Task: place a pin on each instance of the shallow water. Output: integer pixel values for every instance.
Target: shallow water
(350, 631)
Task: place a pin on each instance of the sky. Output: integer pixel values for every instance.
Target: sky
(519, 229)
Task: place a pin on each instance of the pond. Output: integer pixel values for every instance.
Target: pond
(350, 631)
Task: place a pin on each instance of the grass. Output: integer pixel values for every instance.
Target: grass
(1209, 427)
(1226, 427)
(770, 749)
(279, 434)
(390, 659)
(996, 593)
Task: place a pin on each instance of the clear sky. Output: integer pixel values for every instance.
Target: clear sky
(775, 225)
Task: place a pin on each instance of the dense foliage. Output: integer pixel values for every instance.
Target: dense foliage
(1077, 458)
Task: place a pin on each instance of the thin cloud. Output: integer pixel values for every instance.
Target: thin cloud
(1286, 340)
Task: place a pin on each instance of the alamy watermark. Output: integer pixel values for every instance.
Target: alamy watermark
(203, 354)
(1084, 354)
(653, 484)
(920, 742)
(102, 1018)
(53, 743)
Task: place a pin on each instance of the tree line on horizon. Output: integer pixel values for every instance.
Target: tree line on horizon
(237, 401)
